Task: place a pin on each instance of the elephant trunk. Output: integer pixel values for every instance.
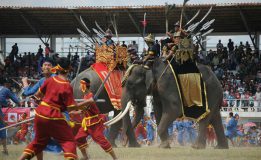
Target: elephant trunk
(126, 119)
(139, 103)
(139, 112)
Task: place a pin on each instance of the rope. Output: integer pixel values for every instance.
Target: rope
(164, 70)
(127, 74)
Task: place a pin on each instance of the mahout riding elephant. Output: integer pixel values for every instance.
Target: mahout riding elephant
(105, 107)
(160, 82)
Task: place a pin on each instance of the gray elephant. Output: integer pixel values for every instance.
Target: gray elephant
(139, 82)
(105, 107)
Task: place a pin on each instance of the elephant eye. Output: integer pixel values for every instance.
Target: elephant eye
(129, 83)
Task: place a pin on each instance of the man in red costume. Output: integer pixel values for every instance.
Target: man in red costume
(56, 96)
(20, 135)
(92, 125)
(76, 118)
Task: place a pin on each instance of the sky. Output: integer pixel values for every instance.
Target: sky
(78, 3)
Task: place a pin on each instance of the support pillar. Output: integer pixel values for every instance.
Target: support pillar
(53, 43)
(3, 46)
(257, 39)
(244, 19)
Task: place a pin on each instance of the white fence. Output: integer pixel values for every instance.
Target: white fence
(241, 105)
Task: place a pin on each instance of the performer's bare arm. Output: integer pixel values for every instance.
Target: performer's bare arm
(75, 112)
(38, 95)
(170, 35)
(82, 105)
(184, 32)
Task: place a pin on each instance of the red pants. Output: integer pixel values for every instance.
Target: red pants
(20, 135)
(140, 130)
(76, 128)
(96, 131)
(59, 130)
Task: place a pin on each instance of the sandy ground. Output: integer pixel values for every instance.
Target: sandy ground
(154, 153)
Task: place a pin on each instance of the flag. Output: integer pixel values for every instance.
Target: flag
(144, 23)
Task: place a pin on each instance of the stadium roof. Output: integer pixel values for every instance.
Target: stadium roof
(108, 3)
(19, 18)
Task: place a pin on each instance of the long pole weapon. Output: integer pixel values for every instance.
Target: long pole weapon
(185, 1)
(29, 79)
(101, 86)
(166, 16)
(18, 123)
(144, 24)
(77, 73)
(144, 27)
(182, 11)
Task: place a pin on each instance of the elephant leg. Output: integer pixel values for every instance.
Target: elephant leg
(219, 130)
(165, 122)
(201, 139)
(114, 130)
(131, 137)
(157, 107)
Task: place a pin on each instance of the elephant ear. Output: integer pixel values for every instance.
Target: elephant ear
(149, 79)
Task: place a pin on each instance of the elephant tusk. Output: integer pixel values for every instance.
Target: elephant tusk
(122, 115)
(97, 101)
(108, 122)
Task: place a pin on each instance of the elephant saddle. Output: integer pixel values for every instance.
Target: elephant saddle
(192, 89)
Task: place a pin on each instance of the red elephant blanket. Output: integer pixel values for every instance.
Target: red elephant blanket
(112, 85)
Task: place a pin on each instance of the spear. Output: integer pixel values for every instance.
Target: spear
(29, 79)
(18, 123)
(181, 15)
(144, 24)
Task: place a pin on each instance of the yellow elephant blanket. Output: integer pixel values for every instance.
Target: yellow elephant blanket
(192, 90)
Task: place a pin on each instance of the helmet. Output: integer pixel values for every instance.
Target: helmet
(149, 38)
(108, 33)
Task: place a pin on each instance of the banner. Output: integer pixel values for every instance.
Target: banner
(13, 115)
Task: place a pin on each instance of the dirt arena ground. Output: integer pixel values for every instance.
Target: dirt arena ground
(154, 153)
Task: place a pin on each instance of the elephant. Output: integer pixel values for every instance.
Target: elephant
(160, 82)
(105, 107)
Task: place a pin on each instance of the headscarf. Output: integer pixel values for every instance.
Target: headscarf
(58, 68)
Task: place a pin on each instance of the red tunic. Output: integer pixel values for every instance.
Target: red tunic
(20, 135)
(58, 95)
(92, 125)
(49, 120)
(92, 114)
(140, 129)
